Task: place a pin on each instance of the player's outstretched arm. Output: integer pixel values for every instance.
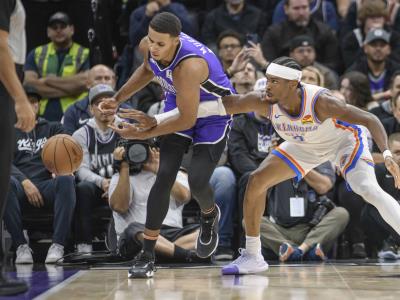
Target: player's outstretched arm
(187, 101)
(329, 106)
(252, 101)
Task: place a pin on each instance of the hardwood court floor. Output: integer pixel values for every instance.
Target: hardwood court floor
(317, 281)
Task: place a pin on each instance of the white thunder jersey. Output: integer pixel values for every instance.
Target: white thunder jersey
(308, 142)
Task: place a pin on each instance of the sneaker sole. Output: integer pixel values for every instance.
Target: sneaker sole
(216, 244)
(235, 271)
(387, 255)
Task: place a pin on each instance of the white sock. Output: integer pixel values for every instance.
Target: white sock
(253, 245)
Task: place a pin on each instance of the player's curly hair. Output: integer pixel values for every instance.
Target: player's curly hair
(287, 62)
(166, 22)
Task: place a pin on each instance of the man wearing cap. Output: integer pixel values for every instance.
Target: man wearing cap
(98, 142)
(58, 69)
(302, 49)
(376, 64)
(34, 188)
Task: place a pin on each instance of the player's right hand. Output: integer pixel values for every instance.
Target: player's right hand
(145, 122)
(394, 169)
(108, 106)
(32, 193)
(26, 118)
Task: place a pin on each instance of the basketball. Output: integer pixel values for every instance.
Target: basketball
(62, 155)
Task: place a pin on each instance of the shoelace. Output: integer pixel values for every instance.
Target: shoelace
(206, 224)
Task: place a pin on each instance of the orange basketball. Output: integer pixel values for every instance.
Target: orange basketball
(62, 155)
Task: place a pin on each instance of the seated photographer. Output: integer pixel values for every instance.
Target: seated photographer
(129, 191)
(379, 233)
(33, 186)
(303, 222)
(98, 142)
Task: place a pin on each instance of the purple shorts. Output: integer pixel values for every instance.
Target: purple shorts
(210, 130)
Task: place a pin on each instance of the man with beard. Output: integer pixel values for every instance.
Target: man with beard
(376, 65)
(276, 40)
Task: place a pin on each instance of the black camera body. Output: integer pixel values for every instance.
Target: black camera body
(137, 153)
(324, 205)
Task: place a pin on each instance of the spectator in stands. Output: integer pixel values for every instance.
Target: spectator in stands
(98, 142)
(296, 229)
(379, 233)
(78, 113)
(372, 14)
(235, 15)
(128, 194)
(141, 17)
(302, 49)
(58, 69)
(323, 11)
(392, 124)
(354, 86)
(376, 64)
(384, 110)
(33, 187)
(229, 44)
(313, 76)
(244, 81)
(276, 40)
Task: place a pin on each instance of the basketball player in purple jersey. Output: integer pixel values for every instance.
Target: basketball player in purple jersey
(189, 73)
(316, 127)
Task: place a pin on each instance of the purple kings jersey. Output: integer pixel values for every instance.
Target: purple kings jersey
(217, 84)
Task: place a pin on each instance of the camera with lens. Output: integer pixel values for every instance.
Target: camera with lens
(137, 153)
(324, 205)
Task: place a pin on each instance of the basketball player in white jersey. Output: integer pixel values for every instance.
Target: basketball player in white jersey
(317, 127)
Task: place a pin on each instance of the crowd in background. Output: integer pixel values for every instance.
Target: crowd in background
(74, 61)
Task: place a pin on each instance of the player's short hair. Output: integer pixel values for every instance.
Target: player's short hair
(394, 137)
(166, 22)
(287, 62)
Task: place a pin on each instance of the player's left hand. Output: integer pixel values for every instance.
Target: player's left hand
(394, 169)
(130, 131)
(108, 106)
(145, 122)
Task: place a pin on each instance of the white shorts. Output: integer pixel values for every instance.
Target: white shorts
(344, 152)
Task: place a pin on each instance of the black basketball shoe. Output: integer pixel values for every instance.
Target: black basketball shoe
(207, 241)
(143, 266)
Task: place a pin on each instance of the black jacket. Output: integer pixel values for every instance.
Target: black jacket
(276, 40)
(251, 20)
(243, 144)
(27, 163)
(361, 65)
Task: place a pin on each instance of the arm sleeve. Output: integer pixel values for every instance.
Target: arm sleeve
(30, 64)
(69, 121)
(17, 173)
(84, 172)
(6, 9)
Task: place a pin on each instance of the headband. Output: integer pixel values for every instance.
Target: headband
(283, 72)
